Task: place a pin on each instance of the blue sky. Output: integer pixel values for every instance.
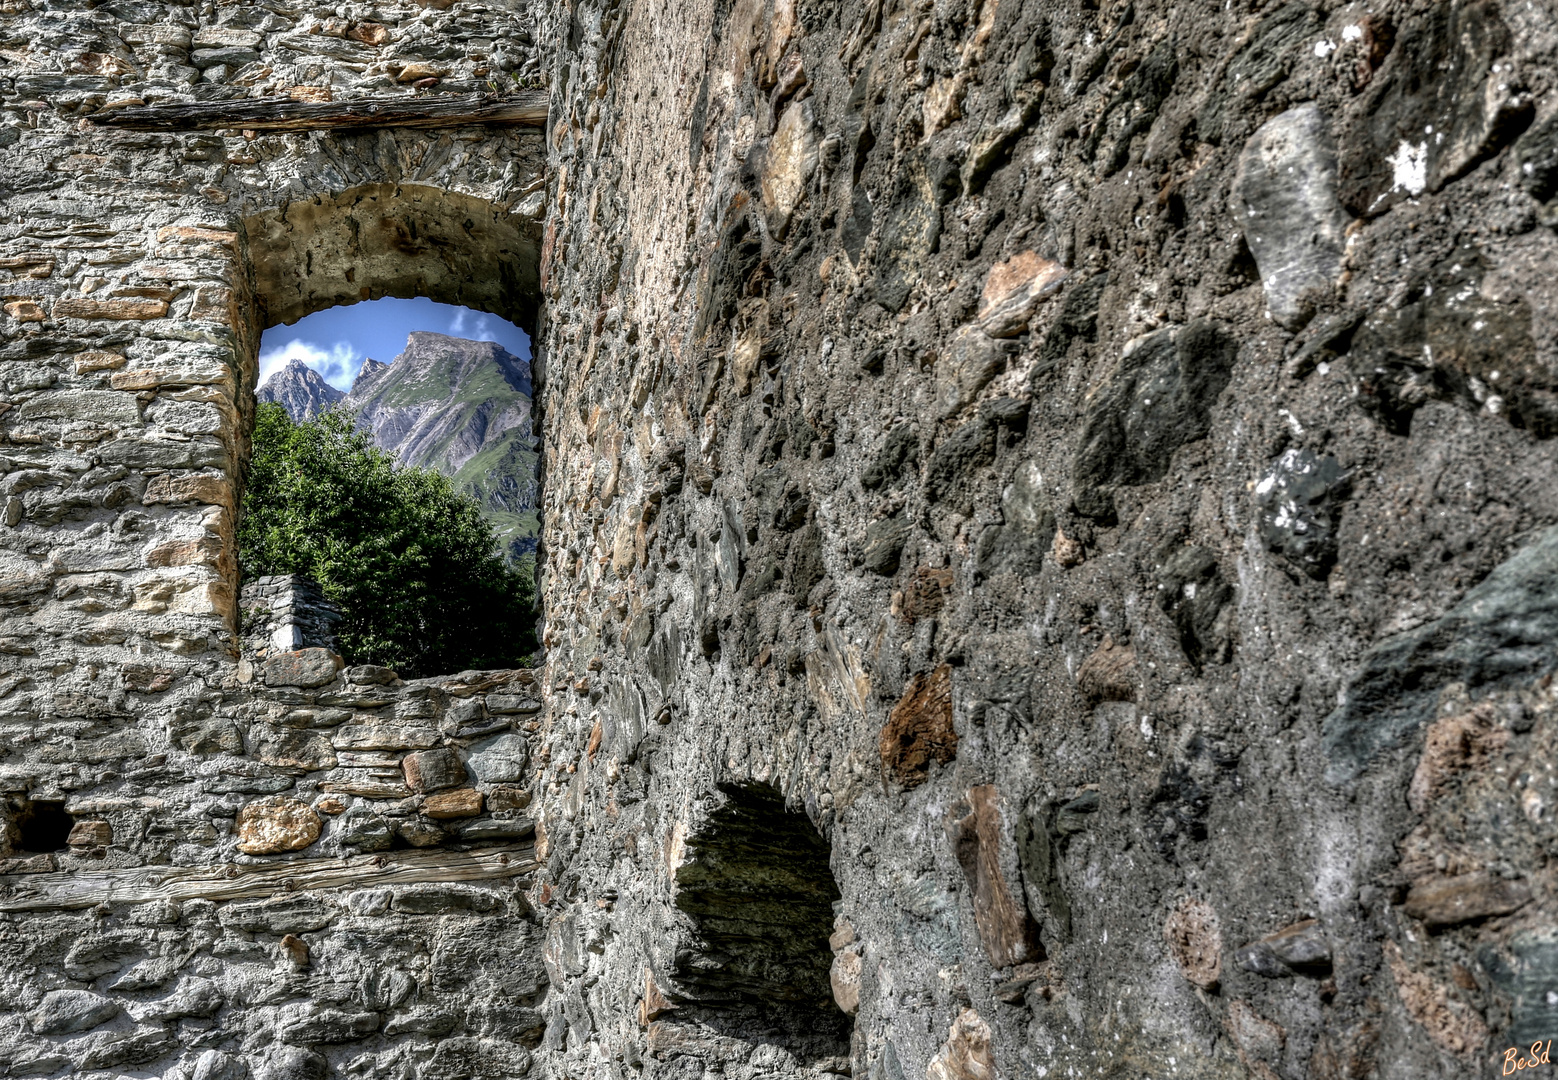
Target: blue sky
(336, 341)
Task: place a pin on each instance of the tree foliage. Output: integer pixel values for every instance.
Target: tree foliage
(412, 563)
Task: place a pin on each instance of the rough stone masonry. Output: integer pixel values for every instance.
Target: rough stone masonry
(1050, 543)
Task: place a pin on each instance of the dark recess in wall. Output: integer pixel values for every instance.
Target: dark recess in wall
(40, 827)
(760, 892)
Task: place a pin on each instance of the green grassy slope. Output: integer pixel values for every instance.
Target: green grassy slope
(426, 408)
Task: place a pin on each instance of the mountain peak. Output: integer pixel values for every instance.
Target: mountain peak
(300, 390)
(461, 407)
(438, 365)
(370, 370)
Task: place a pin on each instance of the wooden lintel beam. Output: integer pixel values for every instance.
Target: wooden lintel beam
(143, 884)
(281, 114)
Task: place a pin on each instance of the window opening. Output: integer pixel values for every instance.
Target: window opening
(348, 395)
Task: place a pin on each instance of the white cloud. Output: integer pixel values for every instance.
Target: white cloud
(479, 329)
(338, 364)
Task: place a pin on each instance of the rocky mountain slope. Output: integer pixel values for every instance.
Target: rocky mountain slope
(460, 407)
(301, 390)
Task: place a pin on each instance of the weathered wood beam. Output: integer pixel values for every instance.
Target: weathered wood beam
(281, 114)
(142, 884)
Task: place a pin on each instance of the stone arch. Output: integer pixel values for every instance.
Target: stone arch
(392, 239)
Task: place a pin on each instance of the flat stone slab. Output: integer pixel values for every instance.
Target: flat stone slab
(304, 668)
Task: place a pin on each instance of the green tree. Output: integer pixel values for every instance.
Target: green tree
(412, 563)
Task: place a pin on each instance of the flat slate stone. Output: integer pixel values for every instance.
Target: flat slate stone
(1503, 633)
(499, 760)
(65, 1011)
(511, 703)
(304, 668)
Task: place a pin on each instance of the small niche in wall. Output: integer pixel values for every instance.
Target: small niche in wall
(760, 893)
(38, 826)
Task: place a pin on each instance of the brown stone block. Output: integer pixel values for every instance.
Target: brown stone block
(80, 307)
(919, 729)
(211, 488)
(1109, 674)
(145, 679)
(304, 668)
(139, 379)
(979, 835)
(1195, 940)
(295, 949)
(369, 34)
(189, 234)
(508, 797)
(279, 823)
(1441, 901)
(416, 71)
(1013, 289)
(446, 805)
(98, 361)
(430, 770)
(1066, 551)
(207, 551)
(36, 266)
(419, 833)
(25, 311)
(170, 378)
(924, 594)
(88, 834)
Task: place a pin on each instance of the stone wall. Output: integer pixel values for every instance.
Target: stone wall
(328, 885)
(1092, 461)
(212, 865)
(1048, 547)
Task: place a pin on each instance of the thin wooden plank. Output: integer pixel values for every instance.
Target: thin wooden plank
(143, 884)
(374, 111)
